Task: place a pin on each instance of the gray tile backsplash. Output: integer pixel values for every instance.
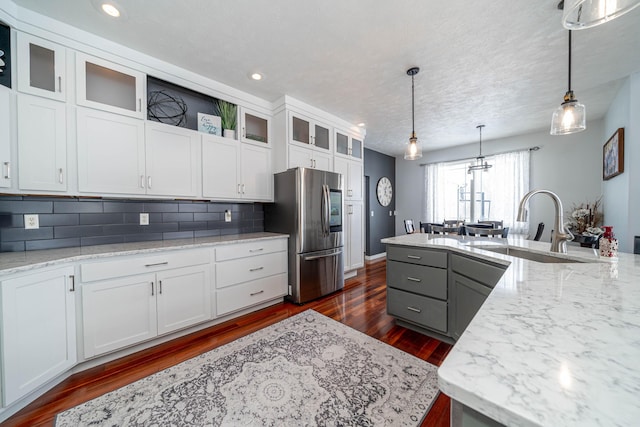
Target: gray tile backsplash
(71, 222)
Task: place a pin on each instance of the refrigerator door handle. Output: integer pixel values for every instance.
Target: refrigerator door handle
(326, 255)
(326, 209)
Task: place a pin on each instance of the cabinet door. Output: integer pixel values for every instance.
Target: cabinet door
(323, 161)
(300, 157)
(468, 296)
(118, 313)
(171, 160)
(111, 153)
(322, 136)
(111, 87)
(42, 144)
(300, 129)
(356, 147)
(354, 180)
(5, 137)
(354, 248)
(38, 330)
(257, 173)
(220, 167)
(42, 67)
(255, 127)
(184, 298)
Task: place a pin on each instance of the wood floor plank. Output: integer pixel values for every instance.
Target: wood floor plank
(360, 305)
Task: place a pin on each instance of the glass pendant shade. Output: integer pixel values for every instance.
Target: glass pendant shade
(413, 150)
(581, 14)
(569, 117)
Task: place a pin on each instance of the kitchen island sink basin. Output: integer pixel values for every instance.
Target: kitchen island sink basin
(531, 256)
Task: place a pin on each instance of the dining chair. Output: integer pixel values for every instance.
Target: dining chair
(539, 232)
(438, 229)
(409, 227)
(494, 224)
(453, 225)
(486, 232)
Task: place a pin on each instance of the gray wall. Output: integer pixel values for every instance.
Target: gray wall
(72, 222)
(380, 225)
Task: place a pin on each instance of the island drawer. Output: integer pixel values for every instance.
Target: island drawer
(419, 256)
(480, 271)
(419, 279)
(423, 311)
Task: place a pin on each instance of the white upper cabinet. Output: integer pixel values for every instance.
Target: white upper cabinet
(231, 170)
(42, 144)
(172, 160)
(5, 137)
(312, 133)
(111, 87)
(111, 154)
(41, 67)
(348, 145)
(306, 158)
(255, 128)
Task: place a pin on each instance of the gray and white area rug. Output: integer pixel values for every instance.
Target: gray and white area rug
(305, 370)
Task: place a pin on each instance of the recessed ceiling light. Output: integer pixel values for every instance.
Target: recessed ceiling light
(256, 76)
(110, 10)
(361, 125)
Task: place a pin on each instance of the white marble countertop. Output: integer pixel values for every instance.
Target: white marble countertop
(16, 262)
(553, 344)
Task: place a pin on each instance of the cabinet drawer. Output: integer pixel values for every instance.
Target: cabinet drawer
(245, 269)
(242, 250)
(487, 274)
(251, 293)
(423, 280)
(417, 256)
(423, 311)
(129, 265)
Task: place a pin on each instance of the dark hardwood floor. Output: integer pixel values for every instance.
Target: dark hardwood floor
(361, 305)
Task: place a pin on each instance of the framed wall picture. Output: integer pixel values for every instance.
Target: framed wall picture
(208, 123)
(613, 155)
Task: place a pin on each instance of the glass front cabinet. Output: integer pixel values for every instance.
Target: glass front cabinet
(42, 67)
(348, 144)
(305, 131)
(255, 127)
(110, 87)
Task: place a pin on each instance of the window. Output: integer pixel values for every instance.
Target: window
(453, 193)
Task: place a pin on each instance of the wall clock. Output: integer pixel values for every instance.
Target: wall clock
(384, 191)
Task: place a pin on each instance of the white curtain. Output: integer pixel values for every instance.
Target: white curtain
(503, 186)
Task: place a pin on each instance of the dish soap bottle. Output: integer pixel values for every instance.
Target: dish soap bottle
(608, 243)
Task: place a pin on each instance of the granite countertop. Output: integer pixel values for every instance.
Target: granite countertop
(553, 344)
(15, 262)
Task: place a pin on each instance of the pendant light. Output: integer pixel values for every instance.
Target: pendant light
(581, 14)
(413, 150)
(570, 116)
(481, 163)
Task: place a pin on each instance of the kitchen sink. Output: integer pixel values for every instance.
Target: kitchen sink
(531, 256)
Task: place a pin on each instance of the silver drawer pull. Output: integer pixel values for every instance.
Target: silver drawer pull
(256, 293)
(413, 279)
(414, 257)
(256, 250)
(417, 310)
(256, 269)
(157, 263)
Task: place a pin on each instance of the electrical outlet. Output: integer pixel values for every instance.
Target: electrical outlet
(144, 219)
(372, 213)
(227, 216)
(31, 222)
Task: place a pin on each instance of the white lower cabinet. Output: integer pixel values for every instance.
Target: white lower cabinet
(122, 311)
(353, 236)
(38, 330)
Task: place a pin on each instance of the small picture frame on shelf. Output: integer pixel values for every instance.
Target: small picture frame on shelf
(210, 124)
(613, 155)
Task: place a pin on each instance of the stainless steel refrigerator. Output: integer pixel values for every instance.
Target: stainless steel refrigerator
(308, 206)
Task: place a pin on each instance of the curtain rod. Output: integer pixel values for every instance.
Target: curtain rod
(534, 148)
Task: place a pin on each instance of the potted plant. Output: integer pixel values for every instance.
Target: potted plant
(228, 117)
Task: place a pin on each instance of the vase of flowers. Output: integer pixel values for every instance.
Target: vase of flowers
(586, 218)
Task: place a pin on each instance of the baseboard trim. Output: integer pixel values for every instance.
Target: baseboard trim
(371, 258)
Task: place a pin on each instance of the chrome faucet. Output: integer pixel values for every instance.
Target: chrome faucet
(560, 235)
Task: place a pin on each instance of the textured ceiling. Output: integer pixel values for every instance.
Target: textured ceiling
(502, 62)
